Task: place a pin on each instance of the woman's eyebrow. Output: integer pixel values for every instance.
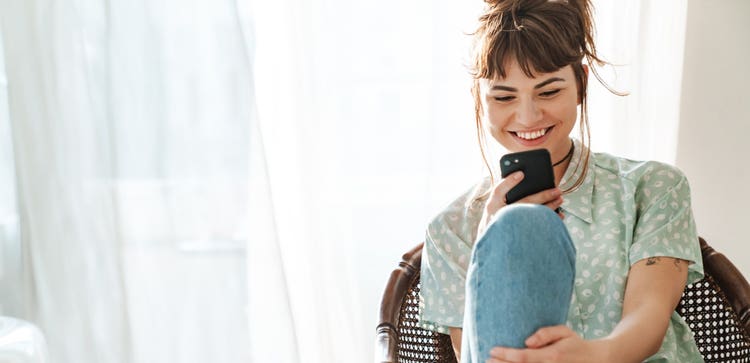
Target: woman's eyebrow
(553, 79)
(504, 88)
(499, 87)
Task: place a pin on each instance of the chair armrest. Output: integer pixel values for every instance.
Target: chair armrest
(386, 339)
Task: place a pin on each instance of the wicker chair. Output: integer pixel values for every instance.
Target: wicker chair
(717, 309)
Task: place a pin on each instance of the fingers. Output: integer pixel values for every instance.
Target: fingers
(545, 345)
(551, 198)
(497, 197)
(498, 354)
(557, 203)
(548, 335)
(508, 183)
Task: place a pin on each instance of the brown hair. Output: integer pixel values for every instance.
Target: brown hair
(543, 36)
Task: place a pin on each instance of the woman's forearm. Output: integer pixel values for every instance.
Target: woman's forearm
(638, 335)
(653, 290)
(456, 342)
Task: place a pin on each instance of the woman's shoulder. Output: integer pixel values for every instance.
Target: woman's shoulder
(462, 215)
(637, 171)
(648, 179)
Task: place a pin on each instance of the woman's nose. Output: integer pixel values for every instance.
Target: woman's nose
(528, 113)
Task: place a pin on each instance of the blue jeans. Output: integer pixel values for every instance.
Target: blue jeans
(520, 278)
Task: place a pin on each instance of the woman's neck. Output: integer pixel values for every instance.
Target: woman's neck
(560, 171)
(561, 166)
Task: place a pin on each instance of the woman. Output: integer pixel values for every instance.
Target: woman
(596, 281)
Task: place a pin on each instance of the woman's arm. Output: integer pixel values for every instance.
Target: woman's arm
(456, 342)
(653, 290)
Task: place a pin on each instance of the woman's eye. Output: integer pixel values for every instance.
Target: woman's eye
(549, 93)
(504, 98)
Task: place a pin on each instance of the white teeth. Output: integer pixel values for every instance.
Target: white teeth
(531, 135)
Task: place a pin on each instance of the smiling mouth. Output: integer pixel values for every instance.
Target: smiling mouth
(531, 135)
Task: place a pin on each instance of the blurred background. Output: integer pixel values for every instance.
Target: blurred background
(233, 180)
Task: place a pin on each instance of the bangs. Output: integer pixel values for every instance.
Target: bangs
(540, 42)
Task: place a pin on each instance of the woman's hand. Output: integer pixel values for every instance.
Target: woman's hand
(552, 198)
(554, 344)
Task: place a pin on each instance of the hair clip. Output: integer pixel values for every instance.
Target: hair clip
(517, 28)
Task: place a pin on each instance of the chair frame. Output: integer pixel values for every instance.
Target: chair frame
(734, 286)
(386, 336)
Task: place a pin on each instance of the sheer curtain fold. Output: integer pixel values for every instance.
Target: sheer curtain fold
(130, 126)
(645, 40)
(341, 90)
(316, 265)
(62, 163)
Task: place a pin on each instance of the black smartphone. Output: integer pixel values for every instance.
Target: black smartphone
(537, 170)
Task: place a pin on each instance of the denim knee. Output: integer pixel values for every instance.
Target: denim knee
(527, 226)
(525, 213)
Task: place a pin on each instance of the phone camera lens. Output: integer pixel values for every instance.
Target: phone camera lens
(507, 162)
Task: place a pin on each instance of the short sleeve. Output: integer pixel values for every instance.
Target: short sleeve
(665, 226)
(445, 259)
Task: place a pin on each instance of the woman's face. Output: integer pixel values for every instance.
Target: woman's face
(525, 113)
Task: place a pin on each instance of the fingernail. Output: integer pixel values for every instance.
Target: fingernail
(518, 175)
(497, 352)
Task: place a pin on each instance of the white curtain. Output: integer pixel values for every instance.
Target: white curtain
(366, 119)
(646, 39)
(76, 289)
(130, 127)
(11, 270)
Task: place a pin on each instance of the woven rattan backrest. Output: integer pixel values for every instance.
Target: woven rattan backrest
(713, 322)
(417, 345)
(398, 339)
(717, 309)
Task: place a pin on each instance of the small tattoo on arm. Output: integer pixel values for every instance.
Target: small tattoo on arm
(654, 260)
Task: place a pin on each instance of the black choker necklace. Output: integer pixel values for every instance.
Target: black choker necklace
(570, 152)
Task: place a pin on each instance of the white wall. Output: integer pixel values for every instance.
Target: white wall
(713, 148)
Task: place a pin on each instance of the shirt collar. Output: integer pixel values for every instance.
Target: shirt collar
(579, 201)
